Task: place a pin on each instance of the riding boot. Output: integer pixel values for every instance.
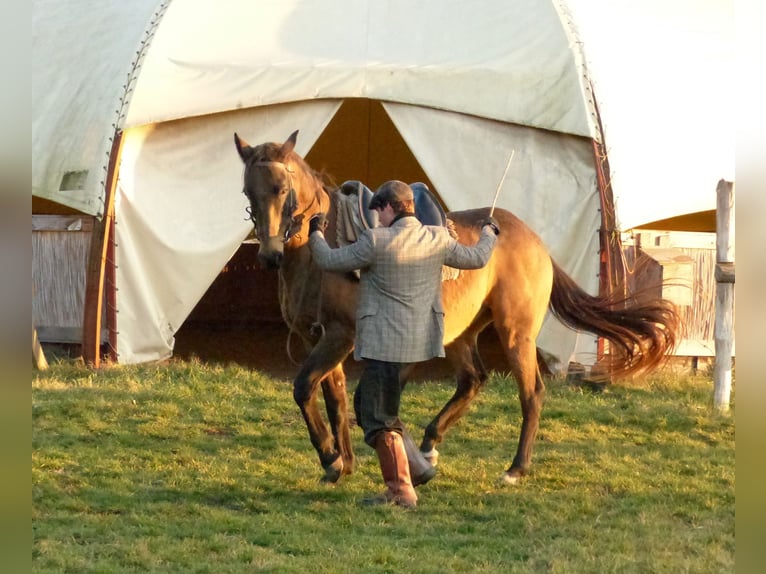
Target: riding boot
(421, 471)
(396, 472)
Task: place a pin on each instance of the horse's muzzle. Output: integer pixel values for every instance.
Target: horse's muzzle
(271, 252)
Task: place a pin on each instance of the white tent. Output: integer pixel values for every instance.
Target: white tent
(453, 86)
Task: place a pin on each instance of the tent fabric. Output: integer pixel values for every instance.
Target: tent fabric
(543, 165)
(662, 71)
(181, 214)
(208, 57)
(181, 218)
(82, 54)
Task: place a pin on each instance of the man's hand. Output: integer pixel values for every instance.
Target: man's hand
(318, 222)
(491, 222)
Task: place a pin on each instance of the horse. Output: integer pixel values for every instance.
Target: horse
(513, 293)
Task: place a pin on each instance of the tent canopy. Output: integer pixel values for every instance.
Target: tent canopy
(438, 88)
(154, 62)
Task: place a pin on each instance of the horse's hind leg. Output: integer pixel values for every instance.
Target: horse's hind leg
(522, 359)
(336, 403)
(471, 375)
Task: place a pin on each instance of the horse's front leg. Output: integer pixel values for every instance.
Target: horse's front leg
(336, 403)
(471, 376)
(324, 358)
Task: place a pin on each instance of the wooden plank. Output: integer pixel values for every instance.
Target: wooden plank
(62, 223)
(724, 309)
(59, 260)
(65, 335)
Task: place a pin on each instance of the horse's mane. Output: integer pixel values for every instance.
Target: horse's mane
(323, 178)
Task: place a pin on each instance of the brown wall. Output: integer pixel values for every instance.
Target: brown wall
(361, 143)
(242, 294)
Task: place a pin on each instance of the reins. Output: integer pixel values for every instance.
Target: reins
(291, 323)
(317, 328)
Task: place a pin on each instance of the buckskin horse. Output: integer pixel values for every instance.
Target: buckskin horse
(512, 292)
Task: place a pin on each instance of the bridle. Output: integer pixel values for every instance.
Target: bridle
(291, 205)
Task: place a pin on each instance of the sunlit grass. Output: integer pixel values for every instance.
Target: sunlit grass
(188, 467)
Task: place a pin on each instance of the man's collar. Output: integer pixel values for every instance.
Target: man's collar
(400, 216)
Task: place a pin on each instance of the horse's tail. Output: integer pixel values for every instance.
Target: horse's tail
(642, 333)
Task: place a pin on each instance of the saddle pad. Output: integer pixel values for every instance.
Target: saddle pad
(353, 215)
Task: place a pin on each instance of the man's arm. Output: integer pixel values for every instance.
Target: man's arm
(473, 257)
(358, 255)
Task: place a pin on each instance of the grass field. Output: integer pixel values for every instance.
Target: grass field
(188, 467)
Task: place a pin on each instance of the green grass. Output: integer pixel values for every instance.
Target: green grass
(187, 467)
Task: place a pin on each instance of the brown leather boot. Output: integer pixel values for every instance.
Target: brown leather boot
(396, 472)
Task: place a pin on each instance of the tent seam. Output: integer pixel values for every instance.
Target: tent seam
(577, 49)
(127, 90)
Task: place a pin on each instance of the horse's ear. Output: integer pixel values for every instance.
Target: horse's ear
(289, 145)
(243, 148)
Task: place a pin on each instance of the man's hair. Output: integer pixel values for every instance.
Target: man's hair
(406, 206)
(395, 193)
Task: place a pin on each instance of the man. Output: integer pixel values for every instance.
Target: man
(400, 319)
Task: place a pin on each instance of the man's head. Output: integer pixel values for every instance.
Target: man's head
(395, 193)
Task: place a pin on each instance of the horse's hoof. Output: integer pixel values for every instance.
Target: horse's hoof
(509, 479)
(348, 468)
(432, 456)
(333, 472)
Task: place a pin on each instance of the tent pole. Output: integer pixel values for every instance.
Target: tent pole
(110, 285)
(724, 308)
(97, 263)
(612, 272)
(610, 245)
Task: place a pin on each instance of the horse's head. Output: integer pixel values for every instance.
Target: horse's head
(282, 192)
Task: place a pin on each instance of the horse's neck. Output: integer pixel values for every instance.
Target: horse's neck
(296, 276)
(311, 192)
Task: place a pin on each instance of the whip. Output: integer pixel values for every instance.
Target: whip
(502, 179)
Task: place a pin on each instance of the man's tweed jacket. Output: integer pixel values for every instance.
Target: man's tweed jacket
(400, 317)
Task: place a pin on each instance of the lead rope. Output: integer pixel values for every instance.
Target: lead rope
(290, 322)
(317, 327)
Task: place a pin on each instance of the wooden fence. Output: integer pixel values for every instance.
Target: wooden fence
(60, 247)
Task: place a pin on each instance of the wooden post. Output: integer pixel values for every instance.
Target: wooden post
(97, 261)
(611, 271)
(38, 356)
(724, 308)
